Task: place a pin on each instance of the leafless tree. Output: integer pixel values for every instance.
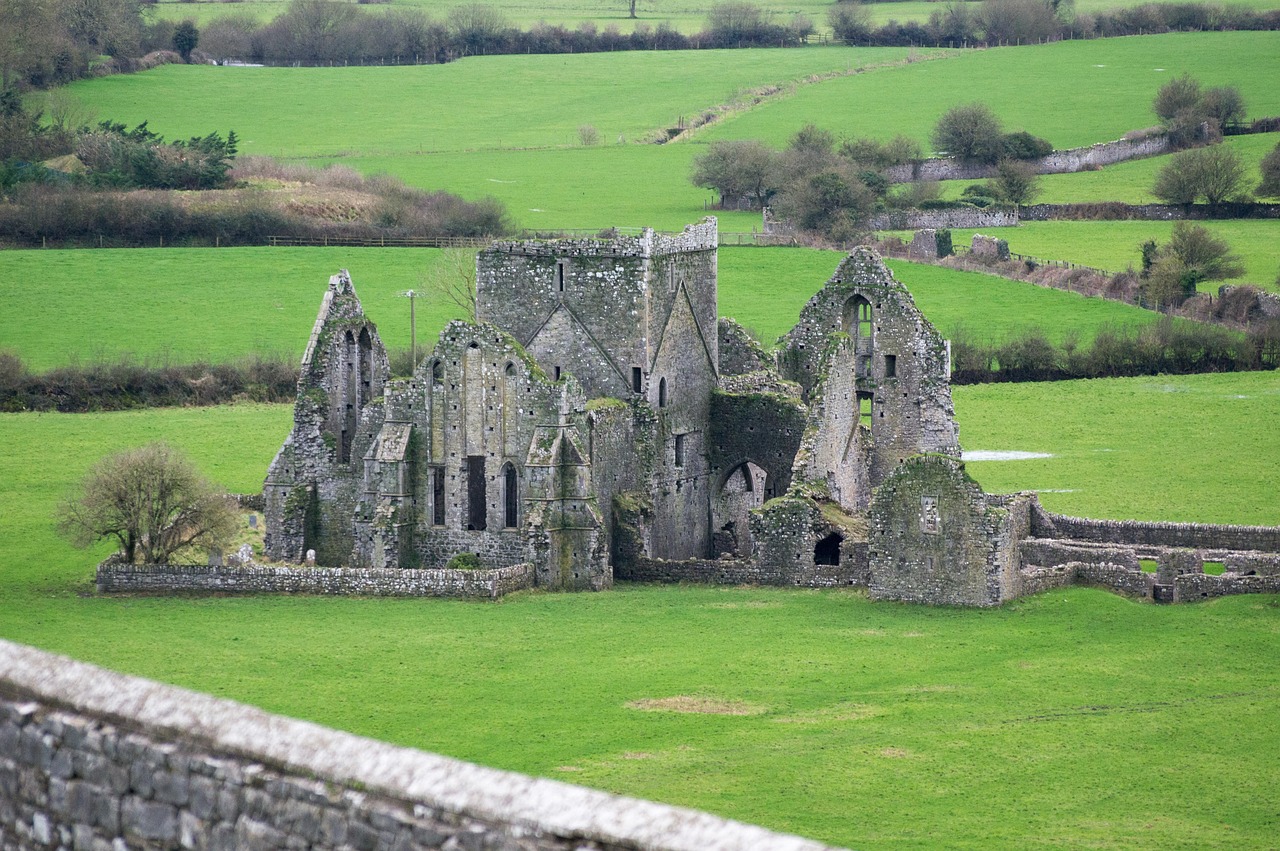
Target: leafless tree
(152, 502)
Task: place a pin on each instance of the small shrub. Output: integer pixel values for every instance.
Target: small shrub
(465, 561)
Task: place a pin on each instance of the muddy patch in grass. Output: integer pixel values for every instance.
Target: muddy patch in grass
(838, 712)
(696, 705)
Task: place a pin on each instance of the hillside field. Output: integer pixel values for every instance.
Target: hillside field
(183, 305)
(462, 127)
(1048, 720)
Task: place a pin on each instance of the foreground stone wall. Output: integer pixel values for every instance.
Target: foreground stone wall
(91, 759)
(482, 584)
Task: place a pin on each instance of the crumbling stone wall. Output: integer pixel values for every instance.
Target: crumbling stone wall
(311, 486)
(92, 759)
(958, 217)
(803, 542)
(1039, 552)
(862, 334)
(930, 244)
(989, 247)
(851, 572)
(739, 352)
(935, 538)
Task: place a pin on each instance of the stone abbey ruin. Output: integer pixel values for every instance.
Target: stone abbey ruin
(598, 422)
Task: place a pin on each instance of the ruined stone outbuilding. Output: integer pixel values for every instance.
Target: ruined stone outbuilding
(598, 421)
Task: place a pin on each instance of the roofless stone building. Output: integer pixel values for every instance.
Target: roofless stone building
(598, 421)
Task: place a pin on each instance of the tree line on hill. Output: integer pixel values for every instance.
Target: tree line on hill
(50, 42)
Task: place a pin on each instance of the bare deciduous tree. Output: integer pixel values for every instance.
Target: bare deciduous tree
(152, 502)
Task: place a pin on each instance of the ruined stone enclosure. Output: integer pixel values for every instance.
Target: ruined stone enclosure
(599, 421)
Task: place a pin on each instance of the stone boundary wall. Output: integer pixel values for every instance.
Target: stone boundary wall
(964, 217)
(852, 572)
(1263, 564)
(1040, 552)
(1057, 162)
(93, 759)
(1045, 524)
(1190, 587)
(1114, 577)
(258, 579)
(1119, 211)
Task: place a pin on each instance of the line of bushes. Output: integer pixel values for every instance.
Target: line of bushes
(127, 383)
(1164, 347)
(66, 216)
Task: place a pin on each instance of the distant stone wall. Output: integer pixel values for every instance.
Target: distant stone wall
(1117, 211)
(1057, 162)
(92, 759)
(481, 584)
(965, 217)
(852, 571)
(1045, 524)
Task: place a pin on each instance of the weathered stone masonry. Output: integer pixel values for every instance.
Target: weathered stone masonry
(92, 759)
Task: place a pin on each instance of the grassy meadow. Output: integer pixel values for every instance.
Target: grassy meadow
(1116, 245)
(1076, 718)
(464, 127)
(1052, 720)
(181, 305)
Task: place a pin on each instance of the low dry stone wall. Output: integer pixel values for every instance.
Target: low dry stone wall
(852, 571)
(1114, 577)
(1045, 524)
(1057, 162)
(257, 579)
(92, 759)
(1039, 552)
(1199, 586)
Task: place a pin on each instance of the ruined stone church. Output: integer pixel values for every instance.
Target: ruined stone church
(598, 421)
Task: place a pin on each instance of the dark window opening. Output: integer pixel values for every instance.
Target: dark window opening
(437, 496)
(437, 373)
(827, 551)
(557, 373)
(560, 275)
(890, 366)
(475, 493)
(865, 405)
(637, 379)
(345, 452)
(662, 393)
(510, 502)
(679, 450)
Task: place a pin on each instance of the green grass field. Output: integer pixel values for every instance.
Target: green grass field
(184, 305)
(1115, 245)
(473, 130)
(1131, 181)
(1064, 719)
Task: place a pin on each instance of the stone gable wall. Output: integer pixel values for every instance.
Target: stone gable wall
(113, 577)
(92, 759)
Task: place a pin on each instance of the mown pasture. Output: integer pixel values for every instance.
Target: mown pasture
(184, 305)
(1049, 720)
